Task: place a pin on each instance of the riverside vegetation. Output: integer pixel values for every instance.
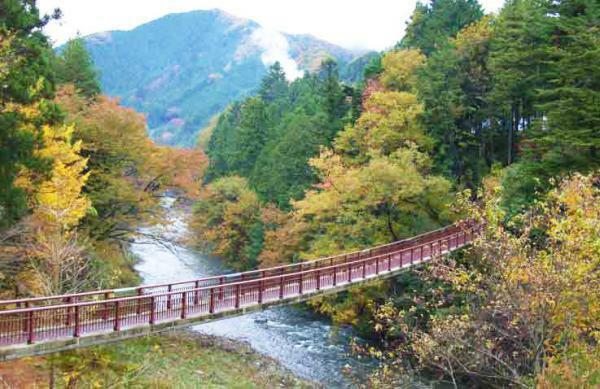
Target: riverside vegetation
(78, 175)
(470, 115)
(493, 117)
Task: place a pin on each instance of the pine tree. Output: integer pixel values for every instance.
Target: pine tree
(518, 60)
(274, 85)
(433, 23)
(331, 92)
(75, 65)
(570, 135)
(454, 87)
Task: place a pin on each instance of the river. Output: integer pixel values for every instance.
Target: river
(308, 345)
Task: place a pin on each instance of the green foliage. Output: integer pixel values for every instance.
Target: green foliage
(70, 164)
(74, 65)
(454, 88)
(570, 139)
(227, 218)
(360, 68)
(183, 360)
(515, 88)
(282, 172)
(380, 201)
(273, 86)
(183, 69)
(432, 24)
(518, 59)
(269, 138)
(373, 68)
(545, 63)
(375, 187)
(26, 79)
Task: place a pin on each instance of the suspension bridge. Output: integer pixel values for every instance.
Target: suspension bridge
(41, 325)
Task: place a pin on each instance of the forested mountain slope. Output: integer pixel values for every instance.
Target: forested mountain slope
(182, 69)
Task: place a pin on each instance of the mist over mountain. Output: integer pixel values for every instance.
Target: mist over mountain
(183, 69)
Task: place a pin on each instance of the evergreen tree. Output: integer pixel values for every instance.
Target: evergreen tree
(569, 137)
(433, 23)
(250, 138)
(269, 139)
(454, 87)
(518, 61)
(559, 88)
(331, 92)
(274, 85)
(75, 65)
(26, 79)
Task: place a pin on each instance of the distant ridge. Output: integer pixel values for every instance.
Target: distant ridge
(182, 69)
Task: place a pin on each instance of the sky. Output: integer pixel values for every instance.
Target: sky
(354, 24)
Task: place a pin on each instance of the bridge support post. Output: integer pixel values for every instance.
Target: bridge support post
(24, 320)
(30, 328)
(318, 280)
(169, 289)
(76, 330)
(152, 309)
(69, 311)
(105, 312)
(280, 287)
(62, 317)
(221, 280)
(184, 305)
(138, 308)
(117, 325)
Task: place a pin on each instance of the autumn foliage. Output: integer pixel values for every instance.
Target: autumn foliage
(519, 307)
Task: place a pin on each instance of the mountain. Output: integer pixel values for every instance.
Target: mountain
(183, 69)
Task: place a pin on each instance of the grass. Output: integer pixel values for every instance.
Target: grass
(177, 360)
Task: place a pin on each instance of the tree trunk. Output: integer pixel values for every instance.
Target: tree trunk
(389, 224)
(511, 130)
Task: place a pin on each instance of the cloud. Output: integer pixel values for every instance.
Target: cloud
(275, 48)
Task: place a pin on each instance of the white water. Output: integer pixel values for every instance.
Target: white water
(307, 345)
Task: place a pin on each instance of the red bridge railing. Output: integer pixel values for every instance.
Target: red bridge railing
(58, 317)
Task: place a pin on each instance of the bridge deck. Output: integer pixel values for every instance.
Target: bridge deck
(48, 325)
